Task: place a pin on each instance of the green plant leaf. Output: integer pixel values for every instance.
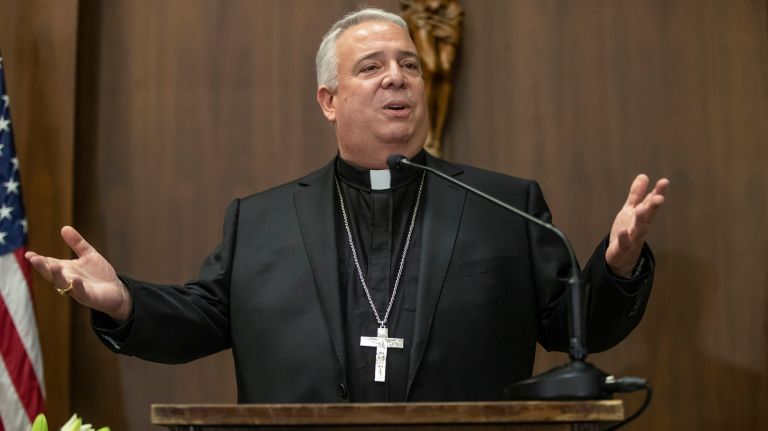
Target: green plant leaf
(40, 424)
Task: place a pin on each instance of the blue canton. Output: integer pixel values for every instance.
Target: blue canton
(13, 224)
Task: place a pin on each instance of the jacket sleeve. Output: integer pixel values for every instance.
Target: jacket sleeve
(177, 324)
(614, 305)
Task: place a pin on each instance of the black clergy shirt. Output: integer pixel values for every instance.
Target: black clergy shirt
(379, 221)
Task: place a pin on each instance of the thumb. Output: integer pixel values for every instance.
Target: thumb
(75, 241)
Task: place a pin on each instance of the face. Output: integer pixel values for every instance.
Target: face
(378, 108)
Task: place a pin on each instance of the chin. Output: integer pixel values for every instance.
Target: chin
(404, 147)
(402, 138)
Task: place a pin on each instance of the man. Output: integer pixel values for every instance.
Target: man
(355, 283)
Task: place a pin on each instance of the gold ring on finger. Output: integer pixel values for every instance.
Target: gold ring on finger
(65, 291)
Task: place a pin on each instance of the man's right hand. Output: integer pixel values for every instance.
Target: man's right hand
(94, 281)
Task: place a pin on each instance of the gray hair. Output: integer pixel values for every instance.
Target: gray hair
(326, 62)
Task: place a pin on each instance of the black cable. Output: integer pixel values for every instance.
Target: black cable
(631, 385)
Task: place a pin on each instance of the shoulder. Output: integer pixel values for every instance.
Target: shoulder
(283, 193)
(486, 180)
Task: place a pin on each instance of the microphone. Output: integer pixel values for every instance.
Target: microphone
(576, 380)
(393, 161)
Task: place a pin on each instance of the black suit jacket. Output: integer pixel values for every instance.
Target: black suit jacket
(490, 286)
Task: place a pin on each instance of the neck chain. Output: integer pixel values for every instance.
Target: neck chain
(382, 322)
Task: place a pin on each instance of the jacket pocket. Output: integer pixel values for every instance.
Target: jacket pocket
(491, 264)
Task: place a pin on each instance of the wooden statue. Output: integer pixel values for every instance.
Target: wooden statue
(436, 30)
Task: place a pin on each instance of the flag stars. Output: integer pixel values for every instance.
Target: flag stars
(5, 124)
(5, 212)
(2, 237)
(15, 163)
(23, 223)
(11, 186)
(6, 101)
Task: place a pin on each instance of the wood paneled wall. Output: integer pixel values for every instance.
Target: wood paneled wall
(184, 104)
(582, 95)
(37, 40)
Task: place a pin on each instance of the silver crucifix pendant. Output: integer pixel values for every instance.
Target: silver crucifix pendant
(381, 342)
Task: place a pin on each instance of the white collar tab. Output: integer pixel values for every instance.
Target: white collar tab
(381, 179)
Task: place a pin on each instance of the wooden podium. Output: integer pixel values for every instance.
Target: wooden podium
(503, 415)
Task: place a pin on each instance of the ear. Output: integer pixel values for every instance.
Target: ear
(325, 98)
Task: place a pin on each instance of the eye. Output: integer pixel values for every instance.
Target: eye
(410, 65)
(368, 68)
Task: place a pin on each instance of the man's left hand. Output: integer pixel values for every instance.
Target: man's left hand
(631, 225)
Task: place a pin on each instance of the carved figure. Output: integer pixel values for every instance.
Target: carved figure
(436, 30)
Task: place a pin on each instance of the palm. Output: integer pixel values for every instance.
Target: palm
(99, 278)
(630, 227)
(95, 281)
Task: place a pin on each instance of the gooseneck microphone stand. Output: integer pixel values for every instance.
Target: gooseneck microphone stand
(576, 380)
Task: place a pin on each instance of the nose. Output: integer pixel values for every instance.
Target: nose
(394, 76)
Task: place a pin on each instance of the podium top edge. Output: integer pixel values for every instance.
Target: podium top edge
(387, 413)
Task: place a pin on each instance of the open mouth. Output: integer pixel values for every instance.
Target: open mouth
(397, 106)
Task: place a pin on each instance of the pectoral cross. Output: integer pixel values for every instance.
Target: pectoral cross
(381, 342)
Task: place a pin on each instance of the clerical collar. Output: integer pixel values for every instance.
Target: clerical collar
(378, 179)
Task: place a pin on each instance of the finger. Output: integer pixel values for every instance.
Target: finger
(653, 200)
(645, 212)
(59, 279)
(78, 290)
(40, 264)
(624, 242)
(75, 241)
(625, 238)
(622, 258)
(632, 241)
(638, 189)
(661, 187)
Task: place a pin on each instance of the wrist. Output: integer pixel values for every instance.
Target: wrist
(126, 304)
(629, 272)
(621, 271)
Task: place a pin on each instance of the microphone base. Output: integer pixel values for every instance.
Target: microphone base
(577, 380)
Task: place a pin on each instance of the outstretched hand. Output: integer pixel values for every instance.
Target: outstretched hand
(630, 227)
(92, 278)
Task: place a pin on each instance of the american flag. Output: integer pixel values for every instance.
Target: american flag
(22, 392)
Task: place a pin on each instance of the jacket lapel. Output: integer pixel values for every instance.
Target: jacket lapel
(443, 207)
(314, 204)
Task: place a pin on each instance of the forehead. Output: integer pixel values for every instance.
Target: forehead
(372, 36)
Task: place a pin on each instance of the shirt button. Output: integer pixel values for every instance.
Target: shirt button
(342, 390)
